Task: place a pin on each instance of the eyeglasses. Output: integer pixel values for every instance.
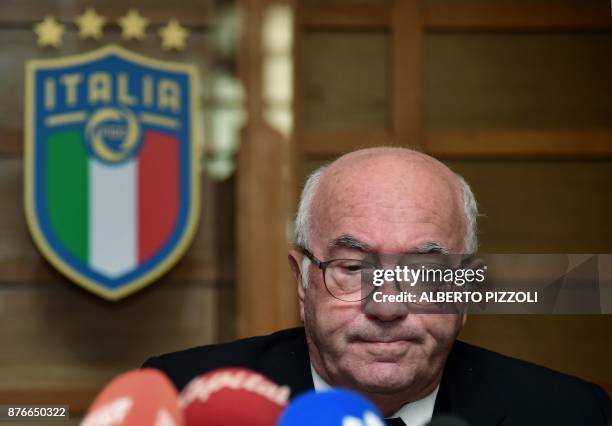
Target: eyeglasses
(351, 280)
(342, 277)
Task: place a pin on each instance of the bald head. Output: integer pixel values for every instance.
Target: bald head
(390, 184)
(378, 201)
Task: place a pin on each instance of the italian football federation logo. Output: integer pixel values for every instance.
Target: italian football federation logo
(111, 173)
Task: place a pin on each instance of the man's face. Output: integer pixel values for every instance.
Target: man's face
(380, 348)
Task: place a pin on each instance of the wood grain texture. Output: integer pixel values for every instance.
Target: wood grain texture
(57, 336)
(328, 143)
(531, 81)
(407, 72)
(517, 16)
(465, 15)
(540, 206)
(551, 144)
(576, 345)
(469, 144)
(23, 12)
(345, 79)
(266, 295)
(70, 345)
(335, 14)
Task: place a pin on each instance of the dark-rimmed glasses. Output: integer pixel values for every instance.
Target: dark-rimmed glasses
(350, 280)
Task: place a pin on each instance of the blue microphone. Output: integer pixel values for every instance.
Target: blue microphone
(335, 407)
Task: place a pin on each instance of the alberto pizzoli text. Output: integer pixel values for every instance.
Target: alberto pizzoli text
(428, 297)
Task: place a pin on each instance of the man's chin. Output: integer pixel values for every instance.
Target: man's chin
(383, 378)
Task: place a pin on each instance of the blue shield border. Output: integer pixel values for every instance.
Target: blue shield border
(142, 276)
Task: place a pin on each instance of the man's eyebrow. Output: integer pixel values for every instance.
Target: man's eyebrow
(350, 242)
(431, 247)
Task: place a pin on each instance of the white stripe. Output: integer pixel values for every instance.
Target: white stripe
(112, 217)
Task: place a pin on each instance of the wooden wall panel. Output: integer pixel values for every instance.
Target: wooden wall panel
(192, 12)
(54, 337)
(407, 72)
(266, 298)
(346, 13)
(518, 81)
(521, 15)
(345, 79)
(576, 345)
(542, 206)
(520, 144)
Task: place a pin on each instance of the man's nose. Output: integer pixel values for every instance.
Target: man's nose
(381, 308)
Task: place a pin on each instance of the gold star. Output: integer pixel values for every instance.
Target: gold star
(90, 24)
(173, 35)
(133, 25)
(49, 32)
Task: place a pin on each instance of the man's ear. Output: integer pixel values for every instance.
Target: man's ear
(295, 263)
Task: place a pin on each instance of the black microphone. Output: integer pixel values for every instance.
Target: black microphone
(447, 420)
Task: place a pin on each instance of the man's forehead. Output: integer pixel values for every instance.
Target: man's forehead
(383, 197)
(395, 197)
(386, 176)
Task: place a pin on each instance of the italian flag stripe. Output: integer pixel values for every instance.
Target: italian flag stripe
(112, 216)
(112, 206)
(159, 197)
(67, 181)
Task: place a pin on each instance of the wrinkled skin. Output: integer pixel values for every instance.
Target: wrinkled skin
(393, 201)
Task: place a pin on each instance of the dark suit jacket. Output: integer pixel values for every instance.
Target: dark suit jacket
(482, 387)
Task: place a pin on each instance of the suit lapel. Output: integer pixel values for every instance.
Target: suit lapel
(465, 392)
(288, 363)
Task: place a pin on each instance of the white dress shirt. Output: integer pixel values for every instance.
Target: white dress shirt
(416, 413)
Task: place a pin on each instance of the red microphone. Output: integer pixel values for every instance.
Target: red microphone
(142, 397)
(233, 396)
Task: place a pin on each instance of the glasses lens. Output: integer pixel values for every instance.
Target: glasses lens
(343, 278)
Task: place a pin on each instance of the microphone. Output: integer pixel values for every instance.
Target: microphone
(142, 397)
(446, 420)
(231, 397)
(335, 407)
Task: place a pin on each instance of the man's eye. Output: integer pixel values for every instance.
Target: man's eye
(350, 267)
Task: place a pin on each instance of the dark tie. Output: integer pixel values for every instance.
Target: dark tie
(396, 421)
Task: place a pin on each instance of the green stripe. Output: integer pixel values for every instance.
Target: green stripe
(67, 186)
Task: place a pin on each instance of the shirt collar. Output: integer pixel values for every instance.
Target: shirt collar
(416, 413)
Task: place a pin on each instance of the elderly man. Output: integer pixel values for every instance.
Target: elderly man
(392, 200)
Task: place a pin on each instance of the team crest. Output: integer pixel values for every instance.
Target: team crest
(111, 172)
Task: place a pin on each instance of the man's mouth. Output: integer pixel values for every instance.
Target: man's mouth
(386, 342)
(385, 350)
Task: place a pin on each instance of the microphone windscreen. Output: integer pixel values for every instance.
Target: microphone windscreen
(137, 398)
(331, 407)
(232, 397)
(446, 420)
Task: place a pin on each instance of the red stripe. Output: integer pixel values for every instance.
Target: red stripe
(158, 192)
